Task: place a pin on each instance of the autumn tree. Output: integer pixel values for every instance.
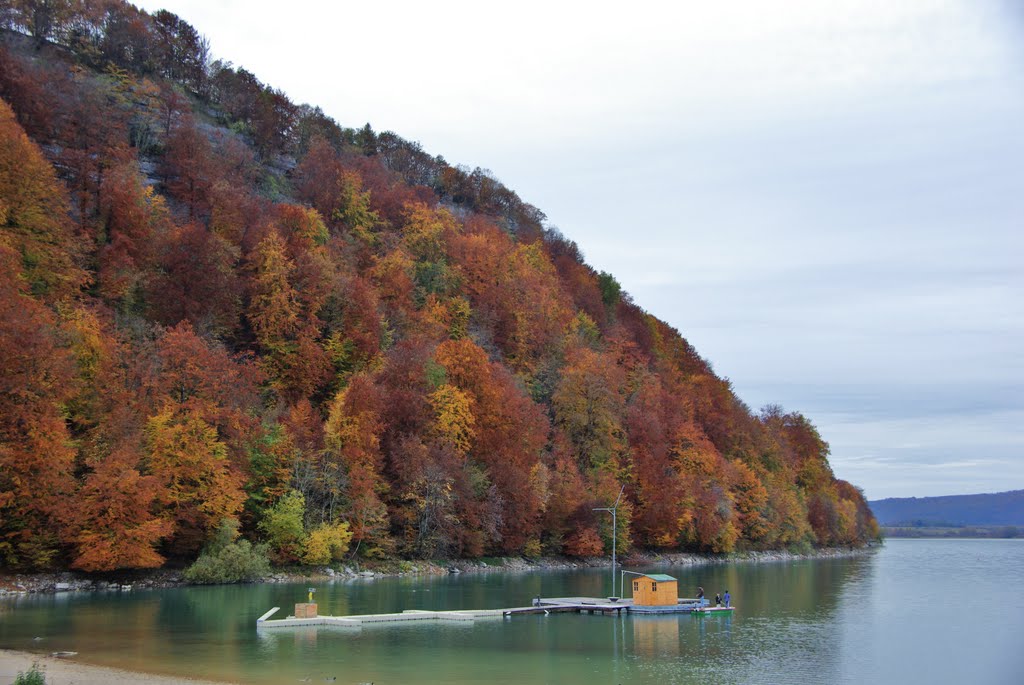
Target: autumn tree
(286, 331)
(588, 406)
(133, 216)
(34, 215)
(196, 281)
(36, 456)
(514, 292)
(353, 432)
(481, 411)
(114, 521)
(198, 487)
(567, 516)
(654, 419)
(116, 525)
(336, 191)
(198, 377)
(43, 18)
(181, 52)
(188, 167)
(355, 329)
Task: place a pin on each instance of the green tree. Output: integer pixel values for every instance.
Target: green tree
(611, 291)
(283, 526)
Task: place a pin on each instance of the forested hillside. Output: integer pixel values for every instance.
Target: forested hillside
(216, 304)
(992, 509)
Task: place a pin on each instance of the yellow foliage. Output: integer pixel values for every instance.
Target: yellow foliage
(846, 529)
(86, 337)
(425, 231)
(326, 543)
(533, 254)
(725, 541)
(273, 311)
(532, 550)
(454, 421)
(584, 328)
(353, 208)
(392, 274)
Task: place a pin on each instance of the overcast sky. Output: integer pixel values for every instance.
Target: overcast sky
(825, 198)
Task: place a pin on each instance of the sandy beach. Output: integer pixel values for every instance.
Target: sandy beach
(62, 671)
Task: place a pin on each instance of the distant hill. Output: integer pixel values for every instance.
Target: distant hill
(992, 509)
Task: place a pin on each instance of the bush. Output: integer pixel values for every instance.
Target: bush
(801, 547)
(228, 560)
(32, 677)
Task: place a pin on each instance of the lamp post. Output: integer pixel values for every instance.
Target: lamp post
(615, 532)
(622, 578)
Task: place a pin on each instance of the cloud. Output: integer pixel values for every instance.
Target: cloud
(933, 453)
(823, 197)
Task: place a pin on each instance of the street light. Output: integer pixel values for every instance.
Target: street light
(622, 578)
(615, 532)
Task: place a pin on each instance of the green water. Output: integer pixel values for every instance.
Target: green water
(936, 611)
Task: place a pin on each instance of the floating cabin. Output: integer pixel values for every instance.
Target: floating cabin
(655, 590)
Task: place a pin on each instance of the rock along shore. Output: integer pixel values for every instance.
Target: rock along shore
(162, 578)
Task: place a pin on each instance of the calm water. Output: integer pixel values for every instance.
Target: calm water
(936, 611)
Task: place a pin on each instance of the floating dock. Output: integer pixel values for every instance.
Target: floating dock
(359, 621)
(582, 605)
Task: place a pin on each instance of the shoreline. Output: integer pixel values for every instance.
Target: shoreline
(63, 671)
(68, 581)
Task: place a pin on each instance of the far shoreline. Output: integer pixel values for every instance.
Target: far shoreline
(70, 581)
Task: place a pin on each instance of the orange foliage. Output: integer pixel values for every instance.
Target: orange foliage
(35, 448)
(197, 486)
(34, 215)
(115, 520)
(584, 542)
(515, 289)
(509, 432)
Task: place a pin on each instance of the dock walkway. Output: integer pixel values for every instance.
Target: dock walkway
(591, 605)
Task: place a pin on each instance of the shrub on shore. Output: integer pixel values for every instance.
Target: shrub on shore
(228, 559)
(32, 676)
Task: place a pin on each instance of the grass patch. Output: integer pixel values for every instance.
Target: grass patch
(32, 676)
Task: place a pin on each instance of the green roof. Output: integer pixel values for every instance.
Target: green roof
(659, 577)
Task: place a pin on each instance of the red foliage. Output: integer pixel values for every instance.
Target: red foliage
(196, 282)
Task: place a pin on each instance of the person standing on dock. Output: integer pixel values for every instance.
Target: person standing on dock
(718, 600)
(726, 598)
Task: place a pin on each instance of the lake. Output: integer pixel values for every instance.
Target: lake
(935, 611)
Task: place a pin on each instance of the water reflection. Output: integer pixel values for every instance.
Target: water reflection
(655, 636)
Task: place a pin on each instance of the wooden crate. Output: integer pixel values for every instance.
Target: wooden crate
(305, 610)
